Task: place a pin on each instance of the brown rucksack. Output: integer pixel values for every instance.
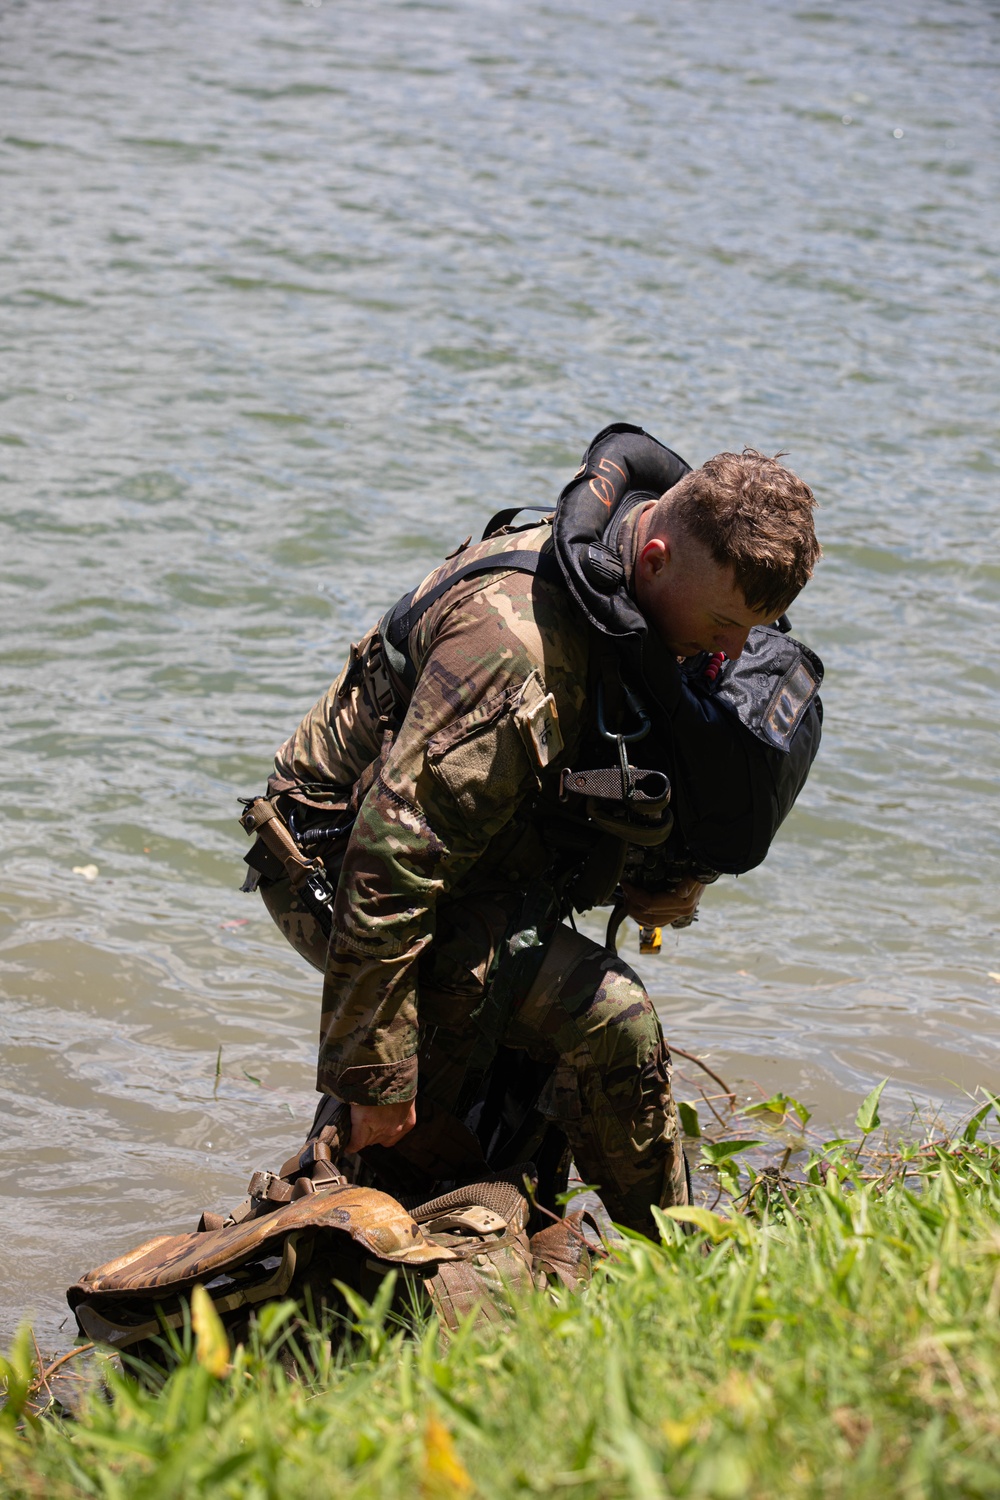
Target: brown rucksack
(304, 1229)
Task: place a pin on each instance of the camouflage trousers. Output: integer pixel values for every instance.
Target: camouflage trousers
(586, 1015)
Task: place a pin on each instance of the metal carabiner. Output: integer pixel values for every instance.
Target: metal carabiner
(633, 705)
(621, 740)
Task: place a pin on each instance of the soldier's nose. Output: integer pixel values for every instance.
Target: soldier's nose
(732, 642)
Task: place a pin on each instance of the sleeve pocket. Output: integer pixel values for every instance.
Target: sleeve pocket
(481, 760)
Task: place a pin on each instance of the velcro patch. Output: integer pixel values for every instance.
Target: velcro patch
(538, 720)
(789, 702)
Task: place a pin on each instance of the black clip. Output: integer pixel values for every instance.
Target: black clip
(633, 706)
(621, 740)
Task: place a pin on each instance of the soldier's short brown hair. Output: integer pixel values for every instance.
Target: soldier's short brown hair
(754, 516)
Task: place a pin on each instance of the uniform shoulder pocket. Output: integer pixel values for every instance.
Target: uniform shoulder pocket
(479, 758)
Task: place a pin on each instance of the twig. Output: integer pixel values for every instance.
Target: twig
(530, 1191)
(63, 1358)
(788, 1202)
(41, 1379)
(712, 1108)
(723, 1085)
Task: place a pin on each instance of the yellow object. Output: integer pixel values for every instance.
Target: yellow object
(445, 1477)
(211, 1346)
(650, 939)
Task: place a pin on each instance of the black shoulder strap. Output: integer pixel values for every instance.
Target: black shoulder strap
(397, 624)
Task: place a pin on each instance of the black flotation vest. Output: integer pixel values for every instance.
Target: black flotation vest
(738, 748)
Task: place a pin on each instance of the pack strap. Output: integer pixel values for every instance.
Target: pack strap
(397, 624)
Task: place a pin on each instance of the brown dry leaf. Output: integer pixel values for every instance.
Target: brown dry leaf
(854, 1425)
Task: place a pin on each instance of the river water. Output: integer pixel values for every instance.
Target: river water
(292, 298)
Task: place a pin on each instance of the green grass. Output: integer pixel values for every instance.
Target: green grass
(839, 1339)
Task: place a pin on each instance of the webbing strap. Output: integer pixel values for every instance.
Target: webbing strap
(403, 616)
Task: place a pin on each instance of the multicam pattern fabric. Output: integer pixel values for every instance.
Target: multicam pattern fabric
(448, 810)
(444, 846)
(588, 1015)
(611, 1088)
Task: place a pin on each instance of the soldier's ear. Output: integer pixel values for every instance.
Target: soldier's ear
(654, 556)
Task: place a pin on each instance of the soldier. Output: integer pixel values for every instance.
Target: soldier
(451, 777)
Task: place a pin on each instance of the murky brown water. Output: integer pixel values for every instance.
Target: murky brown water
(292, 297)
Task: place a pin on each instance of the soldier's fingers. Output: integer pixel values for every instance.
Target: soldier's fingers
(688, 891)
(663, 906)
(373, 1135)
(662, 911)
(380, 1125)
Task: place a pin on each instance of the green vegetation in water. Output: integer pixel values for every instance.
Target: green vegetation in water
(834, 1333)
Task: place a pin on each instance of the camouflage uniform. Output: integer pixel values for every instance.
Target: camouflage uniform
(445, 844)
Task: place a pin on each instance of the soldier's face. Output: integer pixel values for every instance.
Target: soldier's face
(690, 600)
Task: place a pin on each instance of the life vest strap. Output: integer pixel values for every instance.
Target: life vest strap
(396, 626)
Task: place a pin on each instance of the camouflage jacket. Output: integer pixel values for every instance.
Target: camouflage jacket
(497, 710)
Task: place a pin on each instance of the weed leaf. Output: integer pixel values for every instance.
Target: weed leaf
(445, 1476)
(714, 1152)
(714, 1225)
(211, 1346)
(780, 1104)
(972, 1129)
(867, 1118)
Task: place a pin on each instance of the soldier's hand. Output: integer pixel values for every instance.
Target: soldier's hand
(380, 1124)
(663, 908)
